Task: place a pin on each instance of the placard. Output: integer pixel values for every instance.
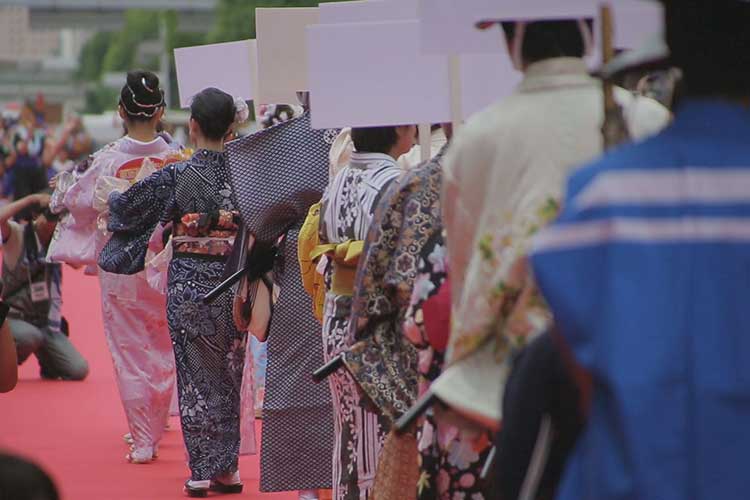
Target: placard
(230, 67)
(368, 11)
(282, 53)
(389, 81)
(486, 78)
(449, 27)
(636, 21)
(528, 10)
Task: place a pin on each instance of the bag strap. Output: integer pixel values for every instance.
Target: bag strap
(31, 252)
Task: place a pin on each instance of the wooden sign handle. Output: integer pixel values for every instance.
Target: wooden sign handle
(608, 51)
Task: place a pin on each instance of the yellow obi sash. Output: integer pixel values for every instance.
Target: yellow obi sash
(345, 257)
(312, 280)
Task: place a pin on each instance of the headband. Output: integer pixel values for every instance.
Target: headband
(154, 107)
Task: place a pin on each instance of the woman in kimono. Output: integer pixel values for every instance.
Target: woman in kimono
(196, 197)
(347, 209)
(133, 313)
(451, 457)
(403, 265)
(278, 173)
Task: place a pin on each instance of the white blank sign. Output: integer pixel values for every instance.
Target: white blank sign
(227, 66)
(380, 77)
(528, 10)
(449, 27)
(486, 78)
(636, 21)
(364, 11)
(282, 54)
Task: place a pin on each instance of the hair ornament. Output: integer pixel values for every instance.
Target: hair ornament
(242, 111)
(145, 85)
(153, 107)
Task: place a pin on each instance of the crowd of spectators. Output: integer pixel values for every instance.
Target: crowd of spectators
(32, 151)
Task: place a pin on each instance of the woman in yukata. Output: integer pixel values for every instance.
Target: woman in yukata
(347, 209)
(133, 313)
(196, 197)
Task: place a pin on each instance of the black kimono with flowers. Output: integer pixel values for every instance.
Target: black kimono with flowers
(209, 350)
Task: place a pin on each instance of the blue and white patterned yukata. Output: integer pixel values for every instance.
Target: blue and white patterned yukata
(209, 350)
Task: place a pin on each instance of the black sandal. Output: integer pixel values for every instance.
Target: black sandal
(219, 487)
(194, 492)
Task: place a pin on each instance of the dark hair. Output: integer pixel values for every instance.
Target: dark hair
(23, 480)
(548, 39)
(281, 113)
(141, 97)
(374, 139)
(50, 216)
(214, 111)
(710, 42)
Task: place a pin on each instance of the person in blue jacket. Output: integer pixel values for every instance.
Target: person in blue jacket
(647, 272)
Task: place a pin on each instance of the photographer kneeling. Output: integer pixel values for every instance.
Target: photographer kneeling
(31, 288)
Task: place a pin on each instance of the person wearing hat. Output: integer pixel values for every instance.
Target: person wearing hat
(503, 181)
(645, 272)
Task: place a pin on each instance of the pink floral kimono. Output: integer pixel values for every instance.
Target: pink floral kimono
(133, 312)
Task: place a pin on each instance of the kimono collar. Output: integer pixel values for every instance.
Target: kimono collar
(139, 148)
(559, 72)
(207, 157)
(370, 160)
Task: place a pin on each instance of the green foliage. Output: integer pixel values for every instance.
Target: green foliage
(100, 98)
(92, 56)
(139, 25)
(235, 19)
(116, 52)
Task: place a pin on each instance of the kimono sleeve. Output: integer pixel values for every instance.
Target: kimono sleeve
(133, 216)
(568, 272)
(79, 197)
(277, 175)
(373, 295)
(469, 163)
(427, 319)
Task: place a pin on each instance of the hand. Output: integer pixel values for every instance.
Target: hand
(72, 124)
(53, 182)
(42, 199)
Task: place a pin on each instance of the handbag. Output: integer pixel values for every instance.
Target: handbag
(253, 306)
(255, 293)
(398, 471)
(71, 244)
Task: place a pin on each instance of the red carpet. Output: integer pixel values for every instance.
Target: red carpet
(74, 429)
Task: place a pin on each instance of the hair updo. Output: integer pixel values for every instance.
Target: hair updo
(141, 97)
(215, 112)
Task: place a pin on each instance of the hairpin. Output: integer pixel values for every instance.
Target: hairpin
(145, 86)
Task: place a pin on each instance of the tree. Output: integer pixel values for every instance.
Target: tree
(235, 19)
(116, 52)
(92, 56)
(139, 25)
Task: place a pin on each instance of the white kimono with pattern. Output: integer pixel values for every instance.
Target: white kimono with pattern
(504, 176)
